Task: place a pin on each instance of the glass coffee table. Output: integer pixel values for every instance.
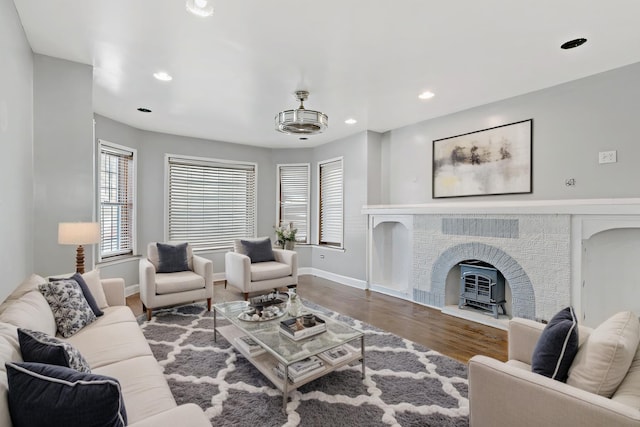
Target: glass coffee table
(282, 351)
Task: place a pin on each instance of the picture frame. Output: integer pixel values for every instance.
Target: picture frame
(491, 161)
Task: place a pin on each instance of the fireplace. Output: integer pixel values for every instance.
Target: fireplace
(482, 287)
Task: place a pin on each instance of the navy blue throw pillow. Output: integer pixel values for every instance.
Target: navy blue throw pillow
(39, 347)
(258, 250)
(172, 259)
(47, 395)
(557, 346)
(85, 291)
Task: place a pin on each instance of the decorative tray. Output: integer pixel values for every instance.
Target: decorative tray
(268, 313)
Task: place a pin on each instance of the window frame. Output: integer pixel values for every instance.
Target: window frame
(104, 145)
(279, 220)
(207, 161)
(319, 242)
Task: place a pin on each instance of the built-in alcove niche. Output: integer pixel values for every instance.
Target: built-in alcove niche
(391, 255)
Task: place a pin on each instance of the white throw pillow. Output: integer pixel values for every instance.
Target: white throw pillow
(604, 359)
(628, 392)
(92, 278)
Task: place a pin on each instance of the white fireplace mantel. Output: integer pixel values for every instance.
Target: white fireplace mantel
(630, 206)
(587, 218)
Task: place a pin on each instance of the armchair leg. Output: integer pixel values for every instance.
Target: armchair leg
(144, 307)
(148, 314)
(225, 283)
(246, 296)
(208, 304)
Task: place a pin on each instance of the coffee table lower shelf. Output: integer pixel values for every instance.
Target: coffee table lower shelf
(265, 363)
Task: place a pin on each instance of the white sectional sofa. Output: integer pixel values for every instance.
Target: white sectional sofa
(113, 345)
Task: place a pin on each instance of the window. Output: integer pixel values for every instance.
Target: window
(293, 198)
(210, 202)
(330, 203)
(117, 197)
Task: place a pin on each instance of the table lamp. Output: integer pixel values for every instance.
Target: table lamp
(79, 233)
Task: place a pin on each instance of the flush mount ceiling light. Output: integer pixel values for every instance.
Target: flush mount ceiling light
(573, 43)
(163, 76)
(301, 121)
(426, 95)
(351, 121)
(201, 8)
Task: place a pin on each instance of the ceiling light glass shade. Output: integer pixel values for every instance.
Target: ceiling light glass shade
(301, 121)
(202, 8)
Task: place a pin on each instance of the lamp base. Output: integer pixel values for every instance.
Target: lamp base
(80, 259)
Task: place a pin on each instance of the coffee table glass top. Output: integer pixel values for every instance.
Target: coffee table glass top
(267, 333)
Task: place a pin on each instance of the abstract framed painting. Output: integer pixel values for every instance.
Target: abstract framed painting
(491, 161)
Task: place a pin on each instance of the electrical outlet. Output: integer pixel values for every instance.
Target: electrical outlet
(607, 157)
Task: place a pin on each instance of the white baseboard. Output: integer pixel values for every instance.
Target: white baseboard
(131, 290)
(344, 280)
(390, 292)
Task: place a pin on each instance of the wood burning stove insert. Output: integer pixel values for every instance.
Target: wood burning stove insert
(482, 286)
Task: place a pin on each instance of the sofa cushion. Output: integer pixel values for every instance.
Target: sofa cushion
(169, 283)
(69, 306)
(628, 391)
(39, 347)
(30, 311)
(110, 343)
(604, 359)
(85, 291)
(557, 346)
(144, 387)
(45, 395)
(172, 258)
(92, 279)
(269, 270)
(258, 250)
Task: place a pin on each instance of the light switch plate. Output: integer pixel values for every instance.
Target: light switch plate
(607, 157)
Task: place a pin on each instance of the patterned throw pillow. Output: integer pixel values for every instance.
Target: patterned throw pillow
(39, 347)
(85, 291)
(69, 307)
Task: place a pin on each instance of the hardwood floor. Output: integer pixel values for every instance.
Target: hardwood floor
(457, 338)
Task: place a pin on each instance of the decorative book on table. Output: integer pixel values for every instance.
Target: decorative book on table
(296, 329)
(338, 354)
(302, 369)
(249, 345)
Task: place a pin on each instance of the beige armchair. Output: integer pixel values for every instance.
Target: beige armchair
(260, 276)
(164, 289)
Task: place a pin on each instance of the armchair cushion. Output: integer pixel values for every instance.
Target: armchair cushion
(258, 250)
(182, 281)
(557, 346)
(172, 259)
(604, 359)
(269, 270)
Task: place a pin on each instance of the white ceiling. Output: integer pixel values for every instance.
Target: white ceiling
(366, 59)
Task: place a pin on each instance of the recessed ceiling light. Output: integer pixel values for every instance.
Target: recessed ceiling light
(163, 76)
(573, 43)
(426, 95)
(144, 110)
(201, 8)
(351, 121)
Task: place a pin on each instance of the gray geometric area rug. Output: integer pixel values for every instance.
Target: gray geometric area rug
(406, 384)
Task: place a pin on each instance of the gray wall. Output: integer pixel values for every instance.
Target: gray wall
(62, 158)
(16, 140)
(572, 122)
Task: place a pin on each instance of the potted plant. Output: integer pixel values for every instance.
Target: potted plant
(286, 236)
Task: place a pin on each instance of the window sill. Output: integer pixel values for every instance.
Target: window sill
(118, 260)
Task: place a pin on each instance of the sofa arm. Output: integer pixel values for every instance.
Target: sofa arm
(237, 270)
(505, 395)
(523, 336)
(114, 291)
(203, 267)
(187, 415)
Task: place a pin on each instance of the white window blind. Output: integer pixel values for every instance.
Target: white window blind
(331, 206)
(293, 198)
(116, 183)
(211, 203)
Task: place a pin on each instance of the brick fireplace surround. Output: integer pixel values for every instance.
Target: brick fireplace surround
(536, 245)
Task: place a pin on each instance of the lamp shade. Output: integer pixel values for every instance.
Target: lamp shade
(78, 233)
